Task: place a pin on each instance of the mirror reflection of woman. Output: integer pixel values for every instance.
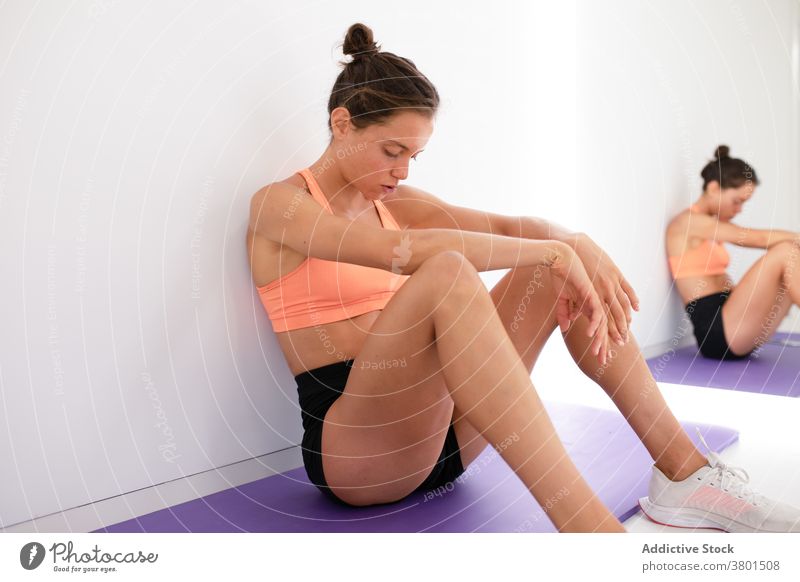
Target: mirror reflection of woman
(731, 320)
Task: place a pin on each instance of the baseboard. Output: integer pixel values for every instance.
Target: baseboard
(653, 350)
(98, 514)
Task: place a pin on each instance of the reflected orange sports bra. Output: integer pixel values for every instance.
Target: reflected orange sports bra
(708, 258)
(320, 291)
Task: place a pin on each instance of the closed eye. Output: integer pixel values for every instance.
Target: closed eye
(390, 154)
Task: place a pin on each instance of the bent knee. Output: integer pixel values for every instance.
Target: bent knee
(451, 268)
(784, 251)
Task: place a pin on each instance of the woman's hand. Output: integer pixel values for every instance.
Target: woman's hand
(576, 296)
(613, 289)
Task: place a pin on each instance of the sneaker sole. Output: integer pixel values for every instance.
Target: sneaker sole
(682, 517)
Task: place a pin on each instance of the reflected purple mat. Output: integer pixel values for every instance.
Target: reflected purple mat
(489, 497)
(774, 369)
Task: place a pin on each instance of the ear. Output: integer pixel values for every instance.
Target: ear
(712, 188)
(340, 122)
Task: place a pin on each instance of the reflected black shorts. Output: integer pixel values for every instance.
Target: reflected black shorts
(318, 389)
(706, 315)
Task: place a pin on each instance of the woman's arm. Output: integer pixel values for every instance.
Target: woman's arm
(769, 238)
(288, 216)
(424, 210)
(710, 228)
(485, 251)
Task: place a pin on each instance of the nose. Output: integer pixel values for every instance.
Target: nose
(400, 172)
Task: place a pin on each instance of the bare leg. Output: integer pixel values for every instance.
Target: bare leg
(758, 304)
(377, 435)
(525, 300)
(628, 382)
(502, 398)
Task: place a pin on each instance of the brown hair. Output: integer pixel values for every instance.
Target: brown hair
(375, 84)
(727, 171)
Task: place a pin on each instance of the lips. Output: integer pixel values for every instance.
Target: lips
(388, 189)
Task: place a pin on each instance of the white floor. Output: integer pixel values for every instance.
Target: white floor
(769, 426)
(769, 438)
(768, 449)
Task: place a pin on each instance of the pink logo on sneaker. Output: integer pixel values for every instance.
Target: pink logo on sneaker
(710, 498)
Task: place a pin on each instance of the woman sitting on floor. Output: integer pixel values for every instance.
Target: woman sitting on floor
(730, 321)
(407, 367)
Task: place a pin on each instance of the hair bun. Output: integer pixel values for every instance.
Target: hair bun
(722, 151)
(358, 42)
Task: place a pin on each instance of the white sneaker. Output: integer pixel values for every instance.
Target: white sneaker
(716, 496)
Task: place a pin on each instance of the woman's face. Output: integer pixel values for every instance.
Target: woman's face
(728, 202)
(375, 159)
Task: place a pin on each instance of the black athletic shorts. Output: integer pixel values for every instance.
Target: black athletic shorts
(706, 315)
(318, 389)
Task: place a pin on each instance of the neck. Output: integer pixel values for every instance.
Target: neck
(702, 205)
(341, 195)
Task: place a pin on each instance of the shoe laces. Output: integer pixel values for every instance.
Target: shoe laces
(731, 479)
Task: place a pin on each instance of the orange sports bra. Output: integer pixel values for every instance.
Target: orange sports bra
(708, 258)
(320, 291)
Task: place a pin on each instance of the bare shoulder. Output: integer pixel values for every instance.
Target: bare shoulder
(677, 221)
(413, 195)
(281, 194)
(685, 218)
(410, 206)
(419, 209)
(266, 254)
(289, 185)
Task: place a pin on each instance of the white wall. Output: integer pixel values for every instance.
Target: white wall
(660, 85)
(134, 349)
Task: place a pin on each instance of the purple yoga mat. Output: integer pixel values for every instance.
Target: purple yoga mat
(488, 497)
(773, 369)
